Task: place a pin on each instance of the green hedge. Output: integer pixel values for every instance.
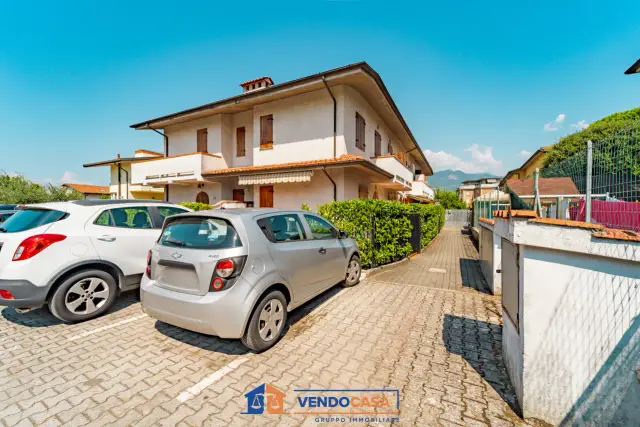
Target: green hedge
(196, 206)
(392, 226)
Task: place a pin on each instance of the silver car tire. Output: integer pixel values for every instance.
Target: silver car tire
(83, 295)
(354, 270)
(267, 322)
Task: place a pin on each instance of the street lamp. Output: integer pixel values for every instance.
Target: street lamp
(635, 68)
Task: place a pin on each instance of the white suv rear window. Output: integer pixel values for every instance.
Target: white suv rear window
(200, 233)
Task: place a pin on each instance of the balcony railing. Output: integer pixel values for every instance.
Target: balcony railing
(391, 164)
(420, 188)
(175, 169)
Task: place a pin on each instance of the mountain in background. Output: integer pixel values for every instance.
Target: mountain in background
(449, 179)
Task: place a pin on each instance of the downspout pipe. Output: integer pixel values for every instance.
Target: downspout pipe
(166, 140)
(335, 188)
(335, 121)
(127, 182)
(166, 154)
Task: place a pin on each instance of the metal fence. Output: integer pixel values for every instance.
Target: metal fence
(485, 208)
(607, 176)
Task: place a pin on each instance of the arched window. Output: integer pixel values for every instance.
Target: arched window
(202, 197)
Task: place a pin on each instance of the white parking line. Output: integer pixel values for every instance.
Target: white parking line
(104, 328)
(195, 390)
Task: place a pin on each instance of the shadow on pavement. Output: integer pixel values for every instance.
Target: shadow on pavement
(235, 347)
(480, 344)
(471, 275)
(42, 317)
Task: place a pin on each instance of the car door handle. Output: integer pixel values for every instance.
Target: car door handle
(107, 238)
(322, 251)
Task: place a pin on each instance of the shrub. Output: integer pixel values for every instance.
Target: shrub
(392, 226)
(16, 189)
(196, 206)
(305, 207)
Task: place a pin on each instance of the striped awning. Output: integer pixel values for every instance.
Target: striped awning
(275, 178)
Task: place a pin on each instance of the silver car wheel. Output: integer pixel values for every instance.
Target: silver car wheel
(86, 296)
(270, 321)
(353, 270)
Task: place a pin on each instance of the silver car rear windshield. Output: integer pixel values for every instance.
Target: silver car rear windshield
(200, 233)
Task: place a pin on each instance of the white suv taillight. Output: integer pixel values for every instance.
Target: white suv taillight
(32, 246)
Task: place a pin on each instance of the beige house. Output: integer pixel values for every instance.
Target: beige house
(470, 190)
(335, 135)
(120, 186)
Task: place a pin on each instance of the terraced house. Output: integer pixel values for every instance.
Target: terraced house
(335, 135)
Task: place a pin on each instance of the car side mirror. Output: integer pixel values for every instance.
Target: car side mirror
(342, 234)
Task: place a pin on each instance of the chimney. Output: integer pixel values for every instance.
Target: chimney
(256, 84)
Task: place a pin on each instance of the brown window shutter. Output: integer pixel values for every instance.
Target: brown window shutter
(240, 142)
(377, 144)
(201, 145)
(266, 131)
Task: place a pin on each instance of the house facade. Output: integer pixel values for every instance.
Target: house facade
(470, 190)
(528, 168)
(336, 135)
(120, 185)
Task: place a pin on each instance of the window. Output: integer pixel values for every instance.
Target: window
(166, 211)
(360, 130)
(202, 197)
(282, 228)
(266, 132)
(363, 191)
(240, 142)
(377, 144)
(390, 148)
(202, 141)
(26, 219)
(200, 233)
(320, 229)
(134, 217)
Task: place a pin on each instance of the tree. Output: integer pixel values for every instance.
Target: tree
(16, 189)
(449, 199)
(605, 129)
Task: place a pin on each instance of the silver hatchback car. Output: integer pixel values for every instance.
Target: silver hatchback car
(236, 273)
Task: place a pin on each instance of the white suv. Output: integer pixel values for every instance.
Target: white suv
(77, 256)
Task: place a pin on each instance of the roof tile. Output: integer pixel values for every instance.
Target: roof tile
(568, 223)
(548, 186)
(88, 188)
(345, 158)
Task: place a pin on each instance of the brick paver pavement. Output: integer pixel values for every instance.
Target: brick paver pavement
(438, 343)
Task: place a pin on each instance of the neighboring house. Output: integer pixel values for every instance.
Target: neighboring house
(120, 177)
(528, 168)
(90, 192)
(335, 135)
(470, 190)
(563, 186)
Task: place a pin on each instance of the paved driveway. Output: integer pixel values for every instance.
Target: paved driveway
(439, 345)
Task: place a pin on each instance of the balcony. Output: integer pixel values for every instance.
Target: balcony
(421, 189)
(179, 169)
(402, 175)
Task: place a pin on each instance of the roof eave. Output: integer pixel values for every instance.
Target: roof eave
(635, 68)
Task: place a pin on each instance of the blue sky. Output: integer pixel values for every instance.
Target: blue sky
(476, 81)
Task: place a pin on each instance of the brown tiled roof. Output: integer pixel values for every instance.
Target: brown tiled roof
(548, 186)
(487, 221)
(617, 235)
(344, 159)
(88, 188)
(514, 213)
(259, 79)
(568, 223)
